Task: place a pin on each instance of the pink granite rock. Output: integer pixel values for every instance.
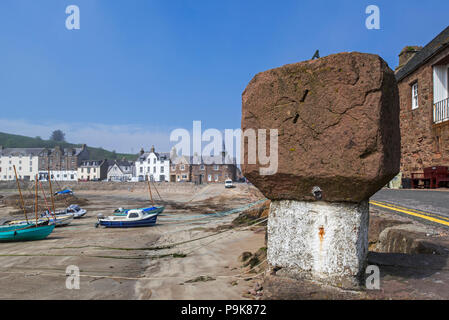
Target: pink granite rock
(338, 124)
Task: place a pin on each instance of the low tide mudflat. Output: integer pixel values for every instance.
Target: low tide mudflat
(160, 262)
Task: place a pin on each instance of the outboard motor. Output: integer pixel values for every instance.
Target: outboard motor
(99, 216)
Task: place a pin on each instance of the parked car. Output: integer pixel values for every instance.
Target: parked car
(229, 184)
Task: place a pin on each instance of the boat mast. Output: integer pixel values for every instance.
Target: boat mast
(20, 192)
(36, 206)
(51, 192)
(45, 199)
(149, 188)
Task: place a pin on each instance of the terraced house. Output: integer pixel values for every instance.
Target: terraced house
(26, 161)
(63, 163)
(205, 169)
(423, 80)
(93, 170)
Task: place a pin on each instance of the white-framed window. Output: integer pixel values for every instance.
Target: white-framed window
(415, 104)
(216, 167)
(202, 167)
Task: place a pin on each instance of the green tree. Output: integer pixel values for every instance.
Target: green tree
(58, 136)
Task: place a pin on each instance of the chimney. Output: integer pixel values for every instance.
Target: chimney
(406, 54)
(152, 149)
(142, 151)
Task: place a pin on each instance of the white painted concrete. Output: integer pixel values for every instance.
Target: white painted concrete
(319, 240)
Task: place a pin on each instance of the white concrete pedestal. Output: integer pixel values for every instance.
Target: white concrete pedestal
(322, 241)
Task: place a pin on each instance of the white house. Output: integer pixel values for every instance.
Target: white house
(26, 161)
(153, 165)
(59, 175)
(121, 171)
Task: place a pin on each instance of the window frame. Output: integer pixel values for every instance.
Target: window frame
(415, 95)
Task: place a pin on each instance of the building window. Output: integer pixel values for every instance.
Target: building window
(415, 96)
(202, 167)
(141, 169)
(154, 169)
(162, 169)
(154, 160)
(216, 167)
(216, 178)
(182, 167)
(173, 167)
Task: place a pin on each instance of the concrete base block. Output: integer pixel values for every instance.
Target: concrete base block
(321, 241)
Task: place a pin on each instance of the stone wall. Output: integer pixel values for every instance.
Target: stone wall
(423, 144)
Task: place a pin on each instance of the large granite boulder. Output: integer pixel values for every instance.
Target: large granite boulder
(338, 127)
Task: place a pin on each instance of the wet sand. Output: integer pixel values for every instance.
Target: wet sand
(121, 264)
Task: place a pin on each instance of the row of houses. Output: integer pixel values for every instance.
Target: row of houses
(74, 165)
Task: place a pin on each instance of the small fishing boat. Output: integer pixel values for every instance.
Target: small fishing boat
(25, 233)
(72, 209)
(134, 218)
(120, 212)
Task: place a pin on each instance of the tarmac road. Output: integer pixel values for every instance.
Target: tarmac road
(430, 205)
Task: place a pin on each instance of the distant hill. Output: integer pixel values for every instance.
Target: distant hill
(8, 140)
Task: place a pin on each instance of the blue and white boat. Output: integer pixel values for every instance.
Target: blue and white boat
(120, 212)
(134, 218)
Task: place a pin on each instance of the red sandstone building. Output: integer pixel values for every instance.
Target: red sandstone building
(201, 170)
(423, 80)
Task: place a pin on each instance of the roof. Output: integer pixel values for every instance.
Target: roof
(425, 54)
(24, 152)
(126, 167)
(159, 155)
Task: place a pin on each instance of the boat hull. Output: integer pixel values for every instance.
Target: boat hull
(61, 220)
(30, 233)
(147, 222)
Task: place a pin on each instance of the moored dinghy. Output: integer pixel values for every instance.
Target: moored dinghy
(25, 233)
(134, 218)
(59, 220)
(73, 209)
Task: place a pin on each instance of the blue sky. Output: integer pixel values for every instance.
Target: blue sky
(138, 69)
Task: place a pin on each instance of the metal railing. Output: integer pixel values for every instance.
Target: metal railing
(441, 111)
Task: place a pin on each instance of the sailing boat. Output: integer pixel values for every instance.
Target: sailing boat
(120, 212)
(49, 216)
(26, 231)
